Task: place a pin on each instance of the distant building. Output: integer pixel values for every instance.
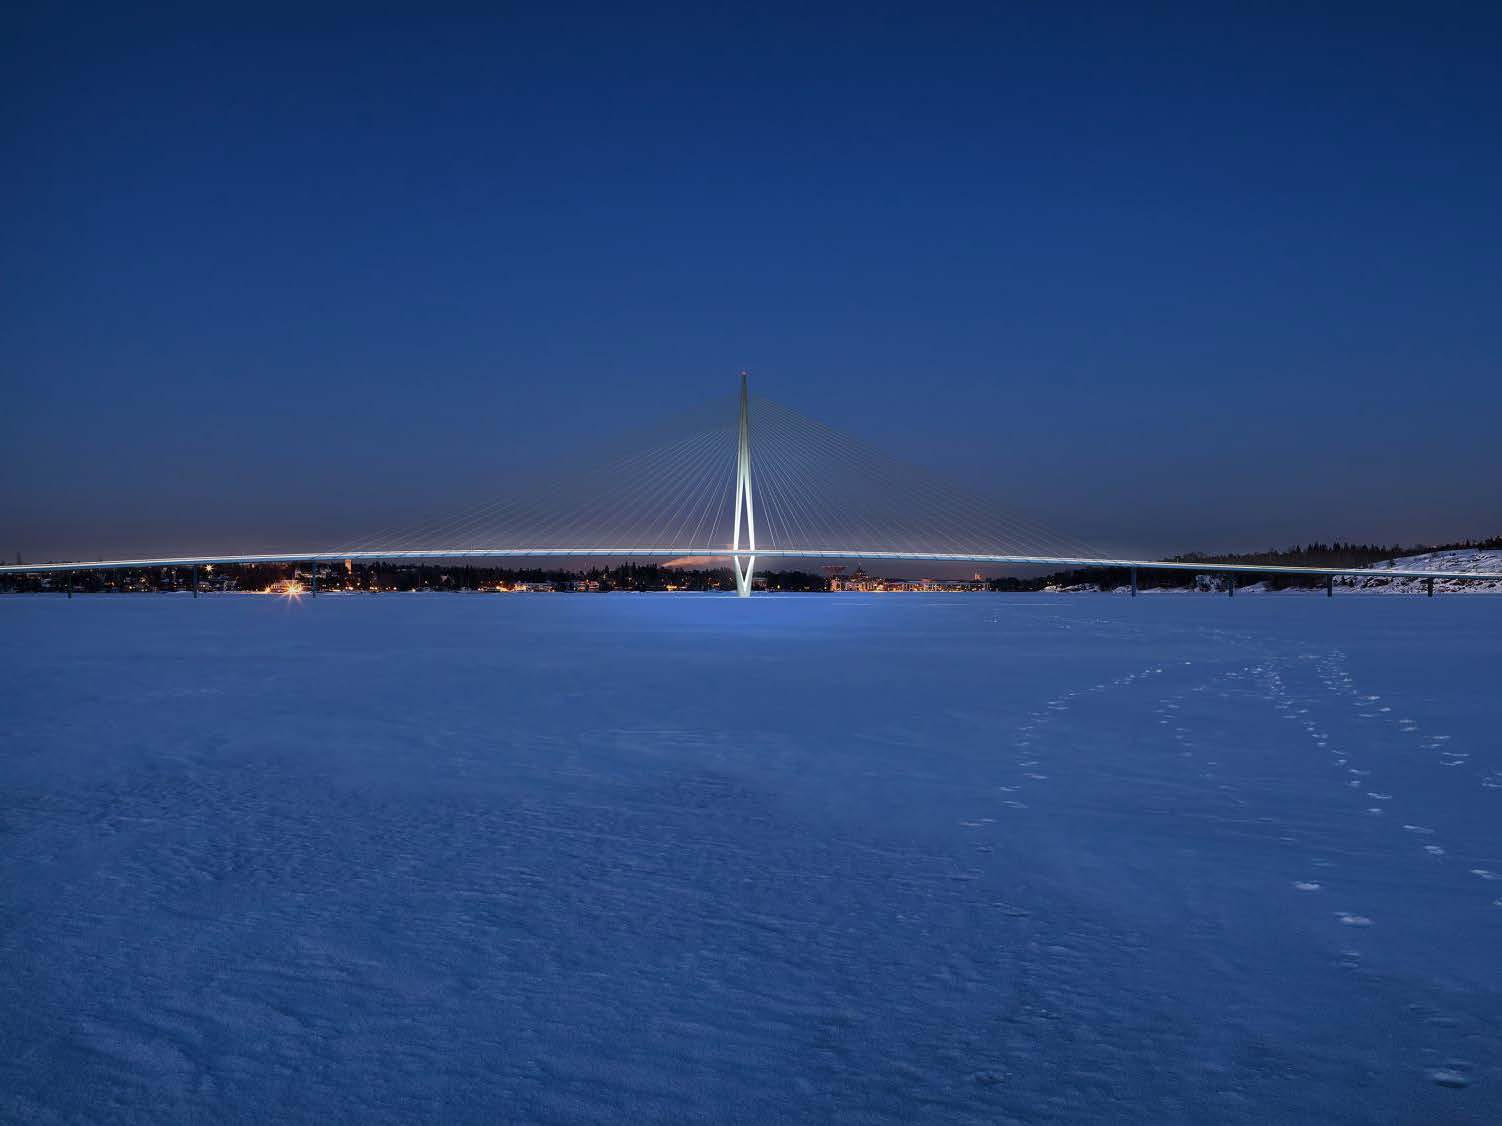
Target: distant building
(856, 580)
(859, 580)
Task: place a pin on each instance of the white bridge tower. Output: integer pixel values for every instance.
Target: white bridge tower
(743, 498)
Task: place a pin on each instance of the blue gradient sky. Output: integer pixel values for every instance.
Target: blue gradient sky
(1166, 278)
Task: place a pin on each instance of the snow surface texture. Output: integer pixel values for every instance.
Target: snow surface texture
(888, 859)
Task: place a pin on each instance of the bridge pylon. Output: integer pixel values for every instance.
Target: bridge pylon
(744, 499)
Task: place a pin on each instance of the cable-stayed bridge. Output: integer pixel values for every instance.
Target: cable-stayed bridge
(737, 482)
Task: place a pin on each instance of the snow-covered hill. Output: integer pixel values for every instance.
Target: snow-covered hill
(1462, 561)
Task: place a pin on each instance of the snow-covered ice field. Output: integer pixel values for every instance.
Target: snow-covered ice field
(888, 859)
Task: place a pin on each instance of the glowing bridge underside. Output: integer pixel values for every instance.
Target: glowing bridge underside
(712, 553)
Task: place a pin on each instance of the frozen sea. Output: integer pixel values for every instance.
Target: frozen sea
(677, 858)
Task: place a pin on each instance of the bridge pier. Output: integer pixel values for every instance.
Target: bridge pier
(315, 578)
(1231, 586)
(1134, 582)
(70, 584)
(1429, 583)
(1329, 586)
(195, 581)
(743, 494)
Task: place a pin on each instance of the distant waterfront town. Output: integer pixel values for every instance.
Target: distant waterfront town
(353, 576)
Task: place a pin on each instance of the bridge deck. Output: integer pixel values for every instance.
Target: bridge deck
(647, 552)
